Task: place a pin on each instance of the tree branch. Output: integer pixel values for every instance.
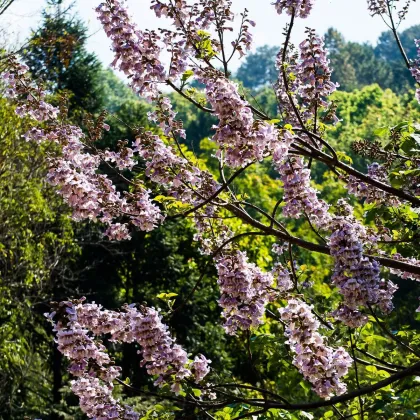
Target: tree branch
(310, 246)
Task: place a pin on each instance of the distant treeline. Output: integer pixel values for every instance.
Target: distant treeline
(355, 64)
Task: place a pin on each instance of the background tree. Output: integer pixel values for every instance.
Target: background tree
(37, 245)
(259, 69)
(57, 54)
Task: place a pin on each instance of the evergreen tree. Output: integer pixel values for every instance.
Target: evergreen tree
(355, 65)
(388, 51)
(57, 54)
(259, 68)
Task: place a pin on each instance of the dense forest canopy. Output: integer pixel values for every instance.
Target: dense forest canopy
(262, 225)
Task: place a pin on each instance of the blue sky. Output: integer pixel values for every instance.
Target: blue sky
(348, 16)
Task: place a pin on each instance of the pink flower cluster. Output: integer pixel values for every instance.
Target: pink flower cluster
(91, 365)
(241, 139)
(415, 68)
(162, 357)
(301, 8)
(377, 7)
(304, 83)
(180, 178)
(356, 276)
(189, 20)
(308, 80)
(287, 82)
(137, 53)
(282, 277)
(314, 76)
(97, 402)
(75, 172)
(212, 233)
(280, 149)
(370, 193)
(320, 364)
(245, 291)
(281, 274)
(18, 85)
(403, 274)
(299, 196)
(123, 159)
(177, 45)
(202, 15)
(164, 116)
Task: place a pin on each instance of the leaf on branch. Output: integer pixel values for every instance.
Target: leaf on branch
(166, 296)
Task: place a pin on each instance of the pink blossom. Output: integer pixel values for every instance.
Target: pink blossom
(377, 7)
(162, 357)
(403, 274)
(370, 193)
(301, 8)
(245, 291)
(137, 53)
(181, 179)
(75, 172)
(320, 364)
(299, 196)
(415, 68)
(356, 276)
(241, 139)
(314, 76)
(200, 368)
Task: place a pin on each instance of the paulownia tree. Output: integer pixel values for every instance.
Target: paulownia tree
(326, 345)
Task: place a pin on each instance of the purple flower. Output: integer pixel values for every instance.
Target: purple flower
(137, 53)
(240, 138)
(301, 8)
(403, 274)
(200, 368)
(304, 84)
(314, 75)
(245, 291)
(320, 364)
(415, 68)
(377, 7)
(177, 175)
(75, 172)
(370, 193)
(299, 197)
(162, 357)
(89, 361)
(356, 276)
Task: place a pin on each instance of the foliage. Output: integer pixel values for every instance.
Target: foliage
(36, 246)
(281, 197)
(258, 69)
(364, 112)
(356, 65)
(57, 54)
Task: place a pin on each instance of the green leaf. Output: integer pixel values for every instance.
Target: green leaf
(375, 339)
(166, 296)
(163, 198)
(343, 157)
(381, 132)
(186, 75)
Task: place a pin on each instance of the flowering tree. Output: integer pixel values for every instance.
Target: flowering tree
(324, 345)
